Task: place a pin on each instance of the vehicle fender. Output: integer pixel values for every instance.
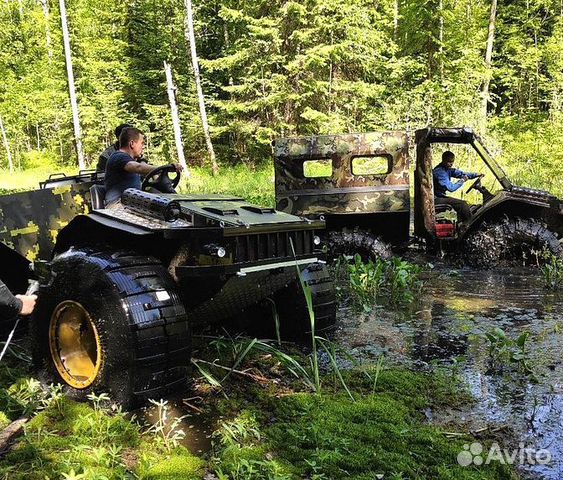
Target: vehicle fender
(506, 206)
(97, 229)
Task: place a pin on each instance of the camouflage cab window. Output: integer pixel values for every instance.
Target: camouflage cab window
(317, 168)
(372, 165)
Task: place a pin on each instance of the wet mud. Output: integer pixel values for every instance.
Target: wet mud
(447, 328)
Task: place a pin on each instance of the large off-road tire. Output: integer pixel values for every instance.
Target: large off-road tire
(111, 322)
(291, 304)
(510, 240)
(368, 246)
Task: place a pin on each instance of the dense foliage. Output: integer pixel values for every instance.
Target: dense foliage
(282, 67)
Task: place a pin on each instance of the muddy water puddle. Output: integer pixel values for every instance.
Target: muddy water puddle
(180, 414)
(448, 328)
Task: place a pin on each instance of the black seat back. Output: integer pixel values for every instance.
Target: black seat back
(98, 195)
(443, 208)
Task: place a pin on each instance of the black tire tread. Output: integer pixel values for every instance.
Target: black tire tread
(292, 307)
(158, 331)
(367, 245)
(493, 243)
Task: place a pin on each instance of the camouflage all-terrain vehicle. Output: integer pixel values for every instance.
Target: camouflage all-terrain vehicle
(121, 288)
(360, 185)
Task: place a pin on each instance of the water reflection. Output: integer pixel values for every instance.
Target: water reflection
(448, 326)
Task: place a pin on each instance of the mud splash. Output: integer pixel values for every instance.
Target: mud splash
(511, 239)
(447, 330)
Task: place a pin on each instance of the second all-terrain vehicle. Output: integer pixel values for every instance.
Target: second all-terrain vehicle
(360, 185)
(121, 288)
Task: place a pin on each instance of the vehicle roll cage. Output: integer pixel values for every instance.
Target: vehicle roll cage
(467, 136)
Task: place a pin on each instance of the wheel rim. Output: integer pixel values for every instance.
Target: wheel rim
(75, 344)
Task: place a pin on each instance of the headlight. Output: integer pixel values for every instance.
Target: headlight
(317, 240)
(215, 250)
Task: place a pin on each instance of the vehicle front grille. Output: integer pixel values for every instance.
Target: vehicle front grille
(264, 246)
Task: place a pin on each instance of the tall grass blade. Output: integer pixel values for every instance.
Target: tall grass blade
(207, 375)
(309, 299)
(331, 352)
(240, 358)
(378, 368)
(276, 321)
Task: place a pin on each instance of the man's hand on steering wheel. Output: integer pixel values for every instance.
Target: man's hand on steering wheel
(160, 180)
(476, 183)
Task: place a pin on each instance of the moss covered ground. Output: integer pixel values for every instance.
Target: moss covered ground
(382, 432)
(262, 430)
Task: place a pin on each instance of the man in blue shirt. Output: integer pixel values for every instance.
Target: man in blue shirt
(443, 174)
(123, 170)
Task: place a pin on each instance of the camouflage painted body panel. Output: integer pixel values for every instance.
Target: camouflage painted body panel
(424, 213)
(370, 201)
(30, 221)
(342, 192)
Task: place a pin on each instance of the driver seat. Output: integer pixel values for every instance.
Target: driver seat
(98, 196)
(442, 208)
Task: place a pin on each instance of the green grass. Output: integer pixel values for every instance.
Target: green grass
(394, 282)
(255, 184)
(272, 430)
(529, 150)
(22, 180)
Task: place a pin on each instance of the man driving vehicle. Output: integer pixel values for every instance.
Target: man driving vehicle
(123, 170)
(443, 174)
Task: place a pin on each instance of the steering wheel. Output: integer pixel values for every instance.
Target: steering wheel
(160, 180)
(475, 184)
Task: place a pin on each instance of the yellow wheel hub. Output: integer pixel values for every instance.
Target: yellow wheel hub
(75, 344)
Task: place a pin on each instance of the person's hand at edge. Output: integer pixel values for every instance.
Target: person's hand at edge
(28, 303)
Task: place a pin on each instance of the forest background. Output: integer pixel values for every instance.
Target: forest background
(277, 68)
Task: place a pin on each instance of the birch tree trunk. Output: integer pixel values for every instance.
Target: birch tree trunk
(45, 8)
(6, 145)
(190, 38)
(488, 61)
(441, 40)
(71, 91)
(395, 20)
(175, 118)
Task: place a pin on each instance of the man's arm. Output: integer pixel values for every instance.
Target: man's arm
(465, 175)
(137, 167)
(443, 178)
(145, 168)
